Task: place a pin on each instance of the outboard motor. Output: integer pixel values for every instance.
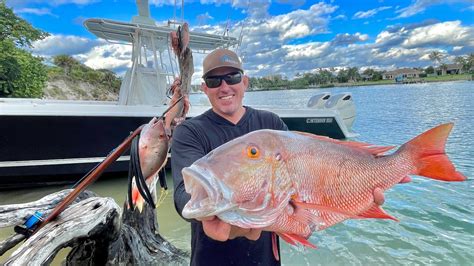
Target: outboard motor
(318, 101)
(346, 107)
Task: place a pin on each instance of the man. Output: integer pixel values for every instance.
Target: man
(214, 242)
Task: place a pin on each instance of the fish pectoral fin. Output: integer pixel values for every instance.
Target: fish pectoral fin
(304, 216)
(406, 179)
(295, 239)
(375, 211)
(322, 208)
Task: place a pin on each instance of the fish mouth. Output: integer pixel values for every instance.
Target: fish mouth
(209, 195)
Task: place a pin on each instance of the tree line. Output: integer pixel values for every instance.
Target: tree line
(328, 77)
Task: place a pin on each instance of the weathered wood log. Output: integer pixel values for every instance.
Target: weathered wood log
(93, 229)
(147, 245)
(138, 243)
(92, 218)
(15, 214)
(10, 242)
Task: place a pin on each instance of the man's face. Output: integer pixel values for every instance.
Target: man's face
(226, 100)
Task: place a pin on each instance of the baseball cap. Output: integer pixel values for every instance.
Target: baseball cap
(221, 58)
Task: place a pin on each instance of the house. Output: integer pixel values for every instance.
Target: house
(449, 69)
(365, 77)
(402, 73)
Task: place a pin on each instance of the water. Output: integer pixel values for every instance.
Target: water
(436, 219)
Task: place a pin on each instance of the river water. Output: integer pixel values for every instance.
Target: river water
(436, 218)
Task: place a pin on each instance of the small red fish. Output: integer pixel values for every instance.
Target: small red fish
(153, 152)
(294, 183)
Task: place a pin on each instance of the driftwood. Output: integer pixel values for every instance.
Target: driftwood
(94, 228)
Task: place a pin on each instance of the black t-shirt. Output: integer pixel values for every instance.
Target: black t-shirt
(192, 140)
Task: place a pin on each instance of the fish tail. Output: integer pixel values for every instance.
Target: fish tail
(137, 199)
(431, 160)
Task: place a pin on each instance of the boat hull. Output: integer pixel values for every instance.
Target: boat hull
(52, 149)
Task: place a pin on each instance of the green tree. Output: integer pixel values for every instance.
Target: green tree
(65, 62)
(9, 68)
(436, 56)
(17, 29)
(342, 76)
(326, 76)
(32, 78)
(373, 74)
(353, 74)
(470, 62)
(429, 70)
(21, 74)
(466, 61)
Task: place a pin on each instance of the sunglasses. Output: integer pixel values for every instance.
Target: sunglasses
(230, 79)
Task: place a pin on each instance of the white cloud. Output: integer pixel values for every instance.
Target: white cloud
(21, 3)
(346, 38)
(296, 24)
(296, 31)
(108, 56)
(307, 50)
(35, 11)
(419, 6)
(341, 17)
(204, 18)
(63, 44)
(370, 13)
(446, 33)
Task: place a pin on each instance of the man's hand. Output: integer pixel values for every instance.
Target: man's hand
(222, 231)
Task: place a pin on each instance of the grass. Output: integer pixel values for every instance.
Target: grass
(449, 78)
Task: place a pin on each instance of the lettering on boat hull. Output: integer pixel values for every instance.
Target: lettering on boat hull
(323, 120)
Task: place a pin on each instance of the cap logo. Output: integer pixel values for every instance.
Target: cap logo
(228, 59)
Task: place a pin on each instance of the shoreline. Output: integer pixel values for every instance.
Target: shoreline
(374, 83)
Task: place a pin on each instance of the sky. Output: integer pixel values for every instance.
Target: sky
(278, 37)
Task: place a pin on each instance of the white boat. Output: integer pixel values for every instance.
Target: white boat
(52, 141)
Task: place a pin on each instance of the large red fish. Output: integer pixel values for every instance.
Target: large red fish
(295, 183)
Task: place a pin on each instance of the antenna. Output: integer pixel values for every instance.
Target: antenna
(182, 11)
(174, 11)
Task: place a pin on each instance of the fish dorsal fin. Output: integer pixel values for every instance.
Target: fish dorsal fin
(294, 239)
(375, 211)
(373, 149)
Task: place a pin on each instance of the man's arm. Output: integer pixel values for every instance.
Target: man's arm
(185, 150)
(279, 124)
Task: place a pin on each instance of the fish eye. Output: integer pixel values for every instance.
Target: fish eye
(253, 152)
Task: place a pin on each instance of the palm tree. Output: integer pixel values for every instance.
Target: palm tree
(436, 56)
(463, 62)
(470, 61)
(65, 62)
